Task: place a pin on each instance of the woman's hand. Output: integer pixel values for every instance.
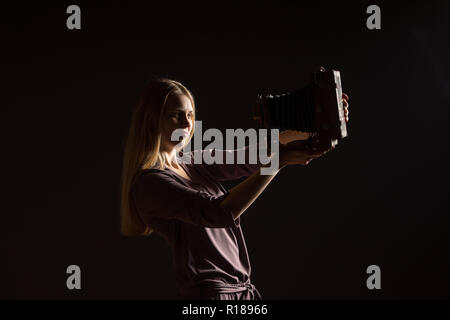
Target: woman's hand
(291, 135)
(299, 152)
(345, 99)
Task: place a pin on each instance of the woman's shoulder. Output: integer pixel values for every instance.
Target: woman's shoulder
(153, 172)
(150, 175)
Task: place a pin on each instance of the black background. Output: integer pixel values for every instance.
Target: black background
(381, 197)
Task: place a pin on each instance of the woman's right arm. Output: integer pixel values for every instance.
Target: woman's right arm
(245, 193)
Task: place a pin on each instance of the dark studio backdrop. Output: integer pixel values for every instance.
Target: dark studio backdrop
(380, 198)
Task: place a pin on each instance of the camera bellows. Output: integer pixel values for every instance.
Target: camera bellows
(317, 108)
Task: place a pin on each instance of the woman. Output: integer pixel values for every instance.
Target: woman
(185, 203)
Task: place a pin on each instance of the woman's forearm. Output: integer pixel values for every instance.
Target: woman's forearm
(245, 193)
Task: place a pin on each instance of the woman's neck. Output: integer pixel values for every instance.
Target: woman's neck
(171, 157)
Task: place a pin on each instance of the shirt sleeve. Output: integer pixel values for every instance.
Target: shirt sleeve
(223, 170)
(160, 195)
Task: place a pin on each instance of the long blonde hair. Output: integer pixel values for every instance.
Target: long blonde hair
(142, 147)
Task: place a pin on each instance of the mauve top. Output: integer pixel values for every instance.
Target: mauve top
(207, 244)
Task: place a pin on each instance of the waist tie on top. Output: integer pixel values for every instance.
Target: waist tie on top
(212, 288)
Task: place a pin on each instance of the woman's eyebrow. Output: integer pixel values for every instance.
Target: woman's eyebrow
(181, 109)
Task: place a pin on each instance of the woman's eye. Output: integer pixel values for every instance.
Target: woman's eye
(178, 115)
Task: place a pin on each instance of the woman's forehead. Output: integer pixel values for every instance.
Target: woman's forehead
(178, 102)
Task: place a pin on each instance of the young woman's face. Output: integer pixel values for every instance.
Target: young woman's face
(178, 115)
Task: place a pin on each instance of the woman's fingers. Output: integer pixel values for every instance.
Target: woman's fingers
(296, 145)
(346, 105)
(292, 135)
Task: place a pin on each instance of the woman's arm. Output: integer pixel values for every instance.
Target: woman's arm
(245, 193)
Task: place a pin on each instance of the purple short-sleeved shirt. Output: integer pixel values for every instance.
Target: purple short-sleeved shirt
(209, 251)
